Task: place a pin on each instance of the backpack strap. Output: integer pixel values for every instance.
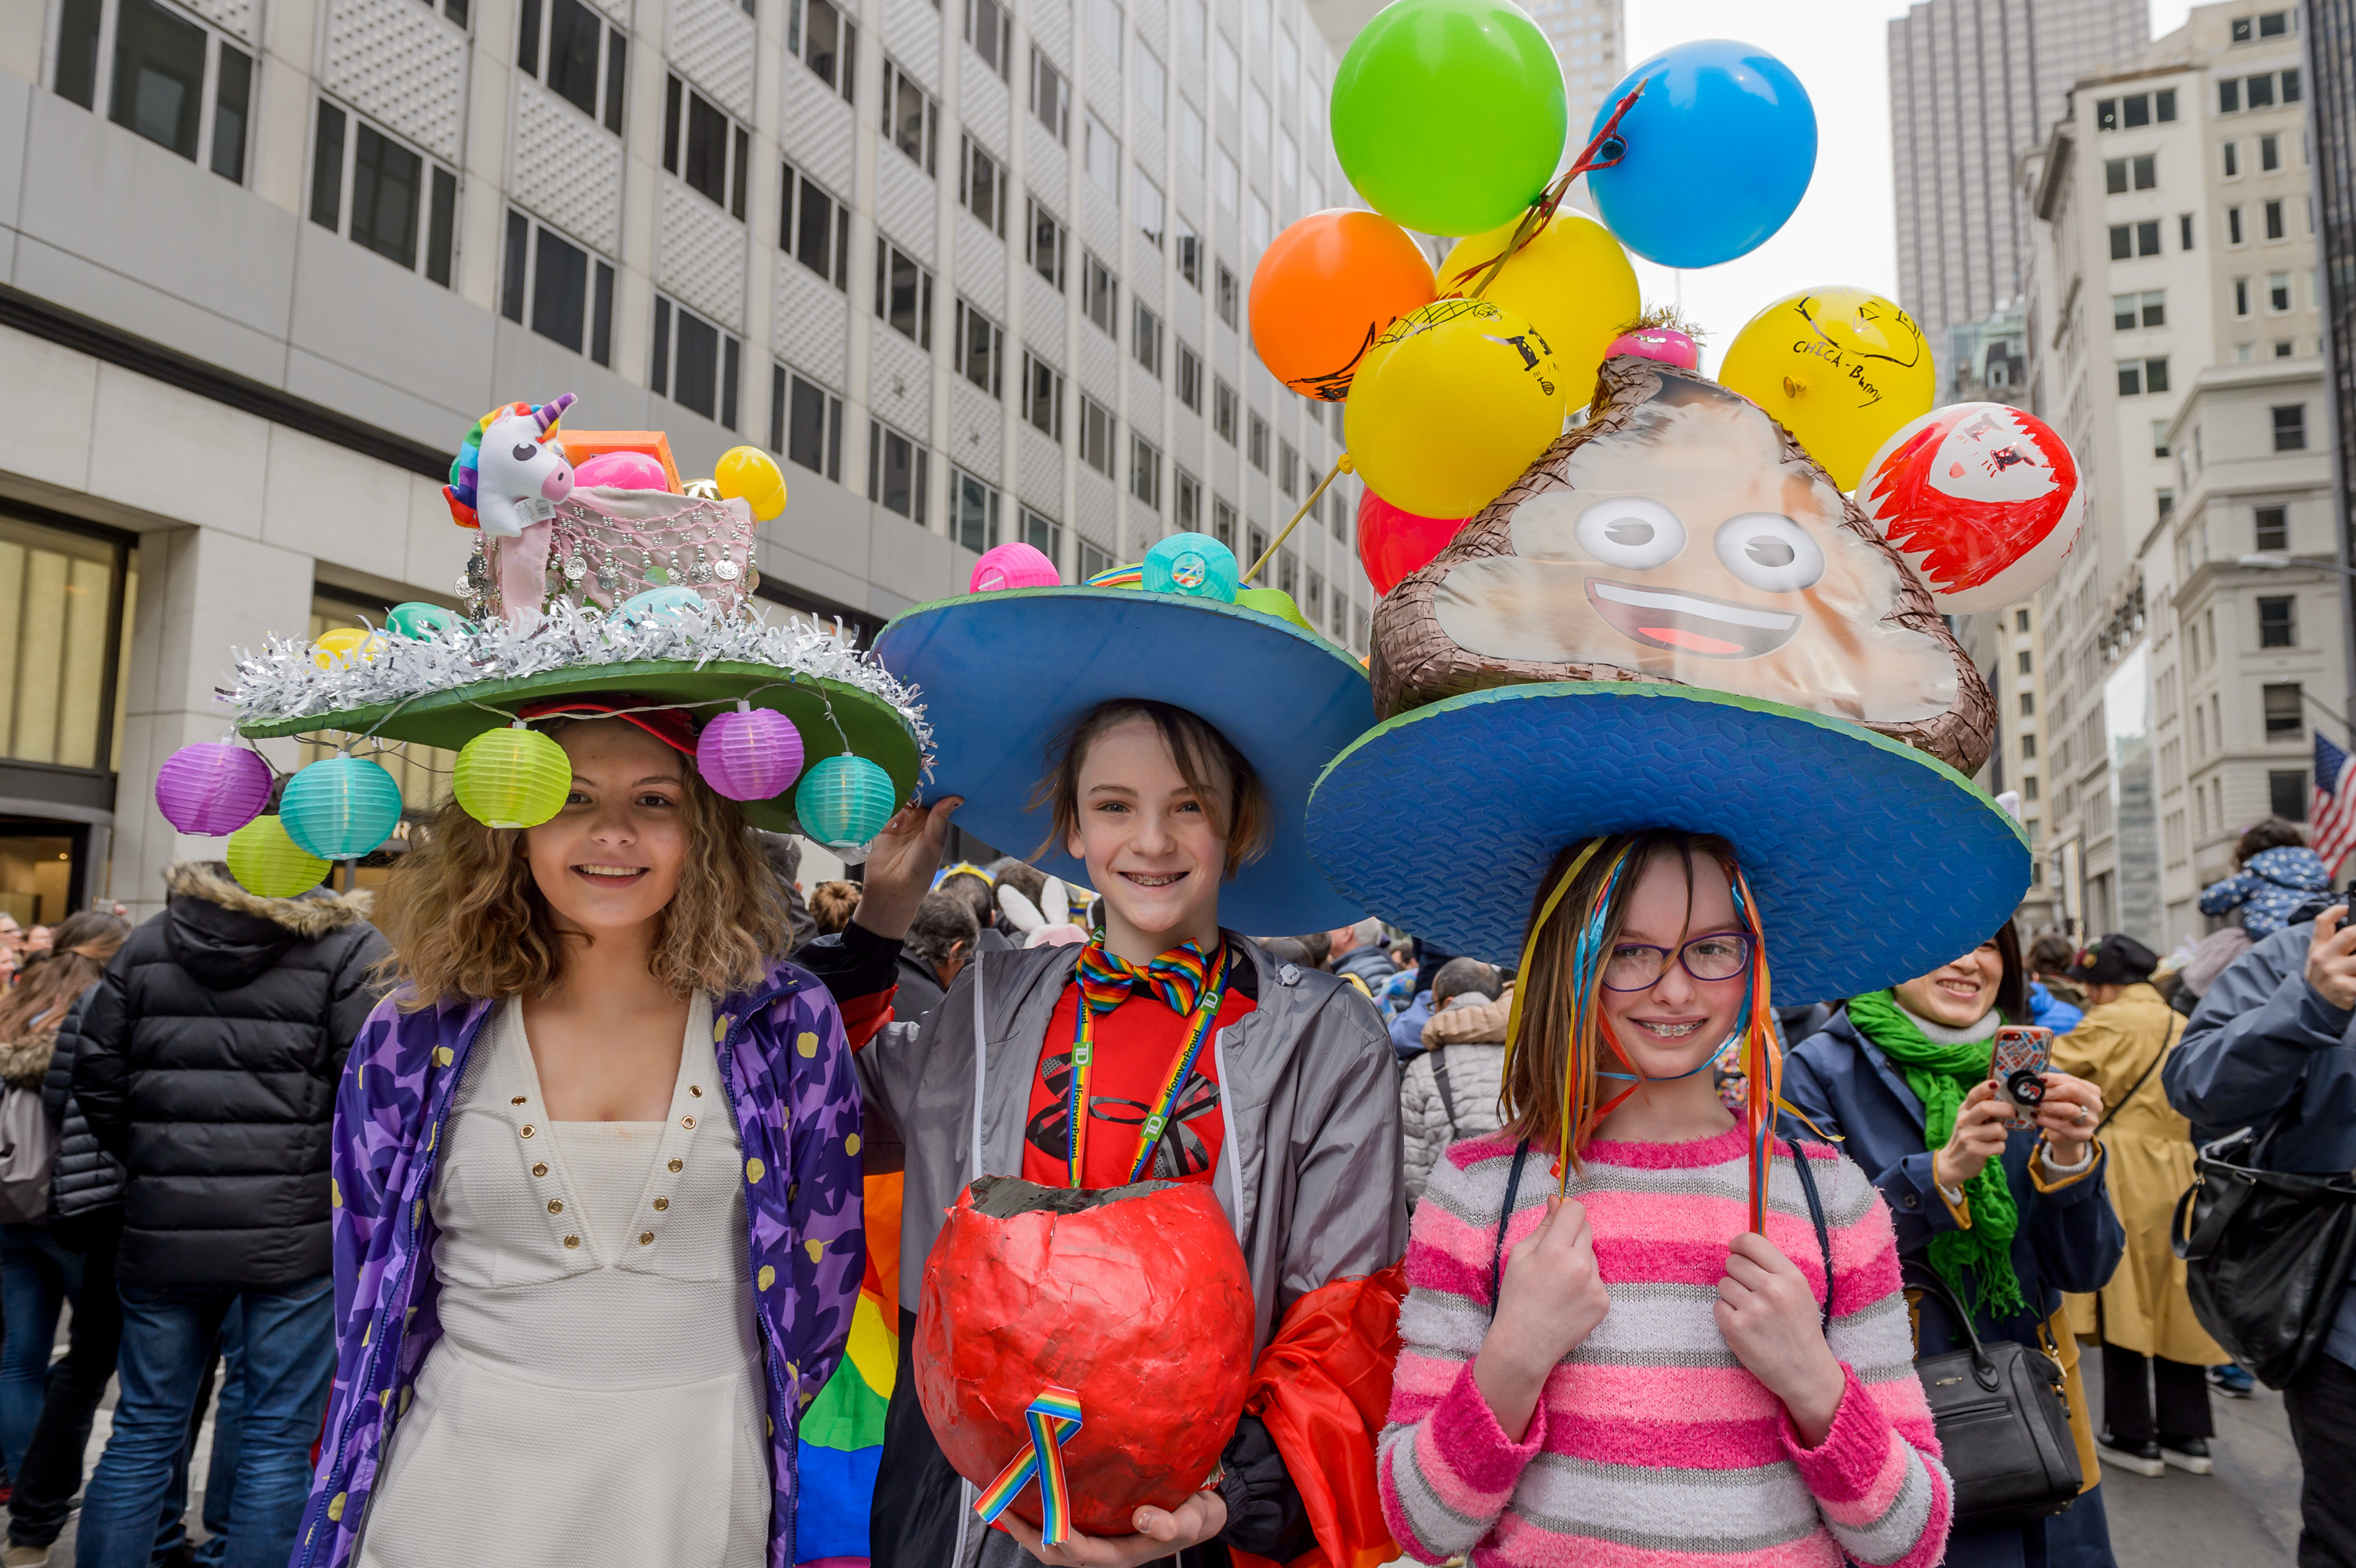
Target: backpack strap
(1815, 1213)
(1504, 1216)
(1438, 1054)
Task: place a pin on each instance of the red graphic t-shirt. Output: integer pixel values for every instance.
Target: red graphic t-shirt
(1136, 1043)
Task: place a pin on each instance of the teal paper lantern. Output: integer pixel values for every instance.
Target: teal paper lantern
(341, 808)
(1191, 564)
(843, 803)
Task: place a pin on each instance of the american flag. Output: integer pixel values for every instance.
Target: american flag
(2331, 816)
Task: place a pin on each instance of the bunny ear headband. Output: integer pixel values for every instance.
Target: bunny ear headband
(1050, 927)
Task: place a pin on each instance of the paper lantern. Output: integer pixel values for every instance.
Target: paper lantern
(419, 621)
(341, 808)
(1135, 1298)
(514, 777)
(844, 801)
(750, 754)
(211, 788)
(621, 471)
(1191, 564)
(1015, 565)
(264, 859)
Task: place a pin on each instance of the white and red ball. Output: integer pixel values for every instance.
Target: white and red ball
(1983, 500)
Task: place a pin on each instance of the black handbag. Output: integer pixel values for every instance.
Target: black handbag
(2003, 1422)
(2266, 1255)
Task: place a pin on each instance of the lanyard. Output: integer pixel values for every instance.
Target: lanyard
(1198, 1029)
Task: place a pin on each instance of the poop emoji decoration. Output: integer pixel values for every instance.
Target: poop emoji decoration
(1680, 534)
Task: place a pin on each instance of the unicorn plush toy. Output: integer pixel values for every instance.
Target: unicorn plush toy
(509, 474)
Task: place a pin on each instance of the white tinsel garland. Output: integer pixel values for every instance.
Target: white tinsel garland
(284, 681)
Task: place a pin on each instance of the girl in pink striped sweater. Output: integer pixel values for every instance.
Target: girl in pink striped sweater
(1651, 1382)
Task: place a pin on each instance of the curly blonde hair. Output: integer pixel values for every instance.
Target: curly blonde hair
(468, 922)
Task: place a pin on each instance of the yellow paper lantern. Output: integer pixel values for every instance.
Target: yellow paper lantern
(344, 644)
(748, 472)
(1841, 368)
(1450, 404)
(266, 859)
(514, 777)
(1572, 281)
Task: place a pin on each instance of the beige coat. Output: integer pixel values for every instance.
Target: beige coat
(2144, 1308)
(1474, 1040)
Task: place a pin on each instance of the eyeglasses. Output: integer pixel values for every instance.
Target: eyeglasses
(1637, 966)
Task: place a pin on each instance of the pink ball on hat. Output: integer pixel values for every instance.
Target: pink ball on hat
(212, 788)
(1016, 565)
(1665, 344)
(750, 754)
(623, 471)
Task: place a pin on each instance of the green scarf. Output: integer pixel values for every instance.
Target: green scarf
(1941, 1075)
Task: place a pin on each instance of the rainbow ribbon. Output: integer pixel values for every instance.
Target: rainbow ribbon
(1054, 1416)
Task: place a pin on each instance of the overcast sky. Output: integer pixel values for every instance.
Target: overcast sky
(1843, 231)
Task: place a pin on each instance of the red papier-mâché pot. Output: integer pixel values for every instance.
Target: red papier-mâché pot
(1136, 1299)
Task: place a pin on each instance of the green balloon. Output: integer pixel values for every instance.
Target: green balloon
(419, 620)
(1450, 115)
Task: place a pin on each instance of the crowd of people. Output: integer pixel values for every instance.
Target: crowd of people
(232, 1120)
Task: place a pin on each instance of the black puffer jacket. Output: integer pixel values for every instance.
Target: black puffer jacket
(208, 1063)
(86, 1179)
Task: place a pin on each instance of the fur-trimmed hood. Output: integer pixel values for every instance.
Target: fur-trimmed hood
(224, 936)
(313, 914)
(25, 1060)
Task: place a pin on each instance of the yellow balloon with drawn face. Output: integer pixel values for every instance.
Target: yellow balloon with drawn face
(1451, 403)
(1841, 368)
(1573, 280)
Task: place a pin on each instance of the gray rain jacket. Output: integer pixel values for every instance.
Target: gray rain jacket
(1309, 1170)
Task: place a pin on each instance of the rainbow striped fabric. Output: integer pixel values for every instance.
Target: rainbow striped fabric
(842, 1438)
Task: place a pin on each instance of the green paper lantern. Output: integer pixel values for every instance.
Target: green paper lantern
(843, 803)
(1274, 602)
(514, 777)
(266, 859)
(341, 808)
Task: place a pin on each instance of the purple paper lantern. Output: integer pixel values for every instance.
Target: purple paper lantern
(212, 788)
(750, 754)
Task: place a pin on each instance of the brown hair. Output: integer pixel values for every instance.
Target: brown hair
(831, 905)
(1240, 814)
(467, 920)
(77, 957)
(1538, 1054)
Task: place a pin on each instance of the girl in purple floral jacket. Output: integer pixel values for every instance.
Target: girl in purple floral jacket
(597, 1188)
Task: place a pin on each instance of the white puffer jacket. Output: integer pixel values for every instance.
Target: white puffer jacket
(1470, 1043)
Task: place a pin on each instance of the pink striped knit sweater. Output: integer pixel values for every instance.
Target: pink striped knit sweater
(1653, 1446)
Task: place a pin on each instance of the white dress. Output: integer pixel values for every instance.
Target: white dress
(597, 1394)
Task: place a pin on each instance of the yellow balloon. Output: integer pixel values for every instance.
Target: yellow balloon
(1572, 281)
(344, 644)
(1842, 368)
(750, 472)
(1450, 404)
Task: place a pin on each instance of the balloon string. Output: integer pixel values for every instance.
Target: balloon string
(1604, 149)
(1342, 465)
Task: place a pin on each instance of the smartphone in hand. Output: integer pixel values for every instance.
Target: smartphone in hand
(2348, 898)
(2017, 1065)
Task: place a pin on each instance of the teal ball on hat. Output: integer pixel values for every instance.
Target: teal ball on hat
(341, 808)
(1192, 563)
(659, 601)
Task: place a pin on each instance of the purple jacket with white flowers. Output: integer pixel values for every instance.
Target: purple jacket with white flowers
(787, 1068)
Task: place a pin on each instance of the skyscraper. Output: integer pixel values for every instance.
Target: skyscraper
(1590, 37)
(2329, 34)
(1973, 85)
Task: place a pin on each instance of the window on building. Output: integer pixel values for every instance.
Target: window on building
(2131, 311)
(156, 88)
(1152, 83)
(1048, 241)
(1191, 139)
(2184, 231)
(2232, 226)
(1145, 197)
(805, 422)
(1093, 558)
(1145, 337)
(814, 228)
(694, 363)
(2284, 720)
(2290, 427)
(980, 349)
(401, 205)
(2273, 221)
(1100, 156)
(1144, 471)
(564, 293)
(2290, 90)
(2020, 620)
(1188, 253)
(2147, 237)
(2278, 621)
(1190, 378)
(2240, 296)
(911, 118)
(1105, 23)
(586, 60)
(1288, 470)
(1260, 224)
(1095, 435)
(2269, 152)
(826, 40)
(1287, 574)
(1227, 293)
(1101, 295)
(1224, 403)
(1041, 535)
(990, 28)
(2164, 504)
(2286, 792)
(1043, 397)
(2122, 241)
(981, 185)
(2021, 660)
(2029, 748)
(1223, 523)
(2258, 91)
(2278, 291)
(1228, 71)
(2283, 348)
(2028, 787)
(2028, 705)
(1256, 443)
(973, 511)
(2273, 527)
(1186, 501)
(2232, 152)
(2229, 95)
(904, 294)
(1050, 97)
(899, 471)
(61, 695)
(703, 147)
(2140, 376)
(2159, 438)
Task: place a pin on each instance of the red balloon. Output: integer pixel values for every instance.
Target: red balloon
(1136, 1299)
(1392, 543)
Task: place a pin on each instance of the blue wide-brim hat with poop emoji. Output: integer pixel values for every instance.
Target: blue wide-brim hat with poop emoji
(1674, 619)
(1004, 670)
(608, 588)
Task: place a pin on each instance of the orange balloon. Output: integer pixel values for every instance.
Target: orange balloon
(1326, 290)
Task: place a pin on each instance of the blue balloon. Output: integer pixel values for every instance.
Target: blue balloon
(1719, 149)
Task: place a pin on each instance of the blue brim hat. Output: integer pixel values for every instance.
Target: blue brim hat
(1000, 674)
(1872, 863)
